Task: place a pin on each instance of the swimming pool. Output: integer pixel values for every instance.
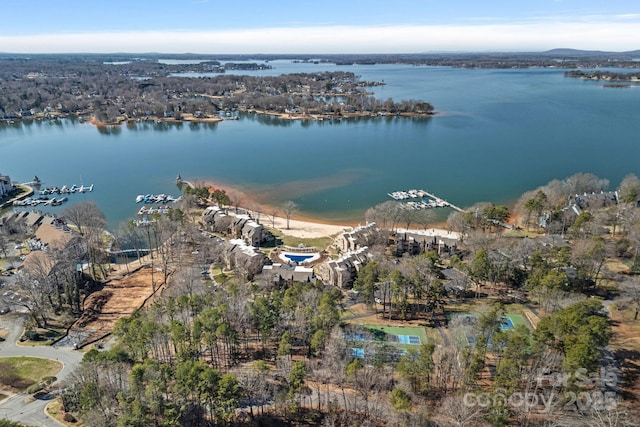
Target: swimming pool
(298, 258)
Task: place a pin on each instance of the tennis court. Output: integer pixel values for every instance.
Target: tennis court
(400, 334)
(354, 336)
(507, 324)
(405, 339)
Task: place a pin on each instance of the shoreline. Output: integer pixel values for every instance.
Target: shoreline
(300, 225)
(190, 118)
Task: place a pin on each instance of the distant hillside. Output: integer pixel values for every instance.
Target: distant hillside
(587, 53)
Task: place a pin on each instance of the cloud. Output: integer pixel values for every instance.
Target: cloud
(599, 34)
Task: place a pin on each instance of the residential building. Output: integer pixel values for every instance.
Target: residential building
(343, 271)
(283, 274)
(6, 186)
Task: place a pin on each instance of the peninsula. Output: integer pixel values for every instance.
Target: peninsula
(110, 92)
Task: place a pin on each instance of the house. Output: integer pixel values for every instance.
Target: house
(52, 235)
(6, 186)
(244, 227)
(282, 274)
(594, 200)
(415, 242)
(236, 226)
(240, 256)
(362, 235)
(342, 272)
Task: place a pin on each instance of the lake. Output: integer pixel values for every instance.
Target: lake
(498, 133)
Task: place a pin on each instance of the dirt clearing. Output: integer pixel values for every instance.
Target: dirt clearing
(120, 296)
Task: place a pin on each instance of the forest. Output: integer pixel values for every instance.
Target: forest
(559, 269)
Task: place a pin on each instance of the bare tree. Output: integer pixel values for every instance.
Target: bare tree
(35, 292)
(459, 414)
(84, 216)
(90, 222)
(289, 208)
(630, 189)
(235, 199)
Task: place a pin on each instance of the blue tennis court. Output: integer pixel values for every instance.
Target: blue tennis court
(507, 324)
(355, 336)
(409, 339)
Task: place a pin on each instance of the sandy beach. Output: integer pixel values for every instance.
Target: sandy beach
(304, 229)
(299, 225)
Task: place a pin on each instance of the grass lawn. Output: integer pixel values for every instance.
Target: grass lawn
(45, 336)
(54, 409)
(21, 372)
(319, 243)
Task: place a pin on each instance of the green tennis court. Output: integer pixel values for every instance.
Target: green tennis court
(400, 334)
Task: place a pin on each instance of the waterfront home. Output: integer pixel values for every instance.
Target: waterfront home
(595, 200)
(362, 235)
(236, 226)
(6, 186)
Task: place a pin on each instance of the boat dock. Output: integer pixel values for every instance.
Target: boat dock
(151, 210)
(41, 197)
(435, 202)
(156, 198)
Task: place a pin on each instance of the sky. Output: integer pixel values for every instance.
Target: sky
(323, 26)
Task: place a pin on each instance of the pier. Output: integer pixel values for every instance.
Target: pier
(435, 202)
(41, 197)
(156, 198)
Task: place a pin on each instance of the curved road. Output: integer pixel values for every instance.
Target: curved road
(19, 407)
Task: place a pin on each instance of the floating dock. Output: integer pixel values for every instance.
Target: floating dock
(156, 198)
(435, 202)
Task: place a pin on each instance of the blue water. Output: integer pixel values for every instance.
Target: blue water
(298, 258)
(498, 134)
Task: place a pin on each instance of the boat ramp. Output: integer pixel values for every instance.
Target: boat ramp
(407, 200)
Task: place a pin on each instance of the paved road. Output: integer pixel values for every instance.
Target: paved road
(21, 407)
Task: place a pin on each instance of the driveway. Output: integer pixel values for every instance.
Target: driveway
(21, 407)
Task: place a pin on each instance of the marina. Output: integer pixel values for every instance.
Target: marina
(433, 202)
(43, 199)
(149, 210)
(156, 198)
(66, 190)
